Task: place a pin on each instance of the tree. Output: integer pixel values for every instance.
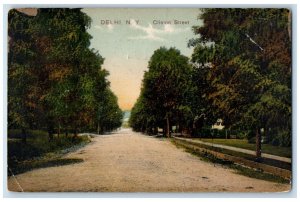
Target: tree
(66, 67)
(109, 115)
(249, 52)
(21, 56)
(55, 79)
(165, 91)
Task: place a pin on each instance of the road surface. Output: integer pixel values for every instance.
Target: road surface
(131, 162)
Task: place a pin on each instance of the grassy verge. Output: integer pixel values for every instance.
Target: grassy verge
(267, 161)
(38, 152)
(240, 143)
(249, 172)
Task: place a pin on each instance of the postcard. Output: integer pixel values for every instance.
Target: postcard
(149, 100)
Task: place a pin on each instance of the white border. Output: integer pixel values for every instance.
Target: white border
(89, 3)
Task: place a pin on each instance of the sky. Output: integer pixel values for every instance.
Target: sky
(127, 37)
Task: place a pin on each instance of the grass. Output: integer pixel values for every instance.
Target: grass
(38, 152)
(242, 143)
(250, 157)
(242, 170)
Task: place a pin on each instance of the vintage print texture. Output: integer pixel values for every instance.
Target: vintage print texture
(149, 100)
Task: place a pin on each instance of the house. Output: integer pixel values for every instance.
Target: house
(218, 125)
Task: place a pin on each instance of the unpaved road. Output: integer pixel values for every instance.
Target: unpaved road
(131, 162)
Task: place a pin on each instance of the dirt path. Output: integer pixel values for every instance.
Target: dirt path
(130, 162)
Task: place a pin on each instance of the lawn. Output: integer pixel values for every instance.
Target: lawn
(246, 171)
(38, 151)
(242, 143)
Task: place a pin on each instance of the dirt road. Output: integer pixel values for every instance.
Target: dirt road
(131, 162)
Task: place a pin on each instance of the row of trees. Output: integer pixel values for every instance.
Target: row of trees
(166, 93)
(240, 71)
(55, 81)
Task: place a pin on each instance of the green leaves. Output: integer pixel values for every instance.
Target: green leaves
(250, 74)
(55, 80)
(166, 87)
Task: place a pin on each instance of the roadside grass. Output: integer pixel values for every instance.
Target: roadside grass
(242, 170)
(38, 152)
(271, 162)
(242, 143)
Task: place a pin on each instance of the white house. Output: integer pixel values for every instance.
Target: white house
(218, 125)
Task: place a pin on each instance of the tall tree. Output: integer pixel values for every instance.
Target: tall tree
(22, 54)
(249, 52)
(55, 79)
(166, 87)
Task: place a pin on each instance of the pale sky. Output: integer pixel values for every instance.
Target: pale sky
(127, 47)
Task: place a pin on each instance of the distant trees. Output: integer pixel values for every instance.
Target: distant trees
(165, 93)
(108, 114)
(55, 80)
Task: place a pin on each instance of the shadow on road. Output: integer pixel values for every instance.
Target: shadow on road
(30, 165)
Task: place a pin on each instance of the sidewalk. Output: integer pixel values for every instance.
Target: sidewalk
(246, 151)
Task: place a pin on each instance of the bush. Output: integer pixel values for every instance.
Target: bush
(218, 133)
(203, 133)
(241, 134)
(17, 133)
(215, 133)
(38, 144)
(282, 138)
(250, 135)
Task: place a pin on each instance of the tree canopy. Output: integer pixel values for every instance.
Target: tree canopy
(240, 71)
(249, 52)
(55, 80)
(165, 92)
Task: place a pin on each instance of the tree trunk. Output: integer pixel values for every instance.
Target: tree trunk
(180, 129)
(98, 128)
(24, 135)
(50, 133)
(75, 135)
(66, 133)
(51, 130)
(164, 131)
(155, 130)
(258, 144)
(168, 127)
(58, 131)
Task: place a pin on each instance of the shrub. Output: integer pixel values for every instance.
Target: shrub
(38, 144)
(282, 138)
(17, 133)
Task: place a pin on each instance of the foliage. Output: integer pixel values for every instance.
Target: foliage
(165, 93)
(55, 81)
(38, 152)
(249, 55)
(109, 115)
